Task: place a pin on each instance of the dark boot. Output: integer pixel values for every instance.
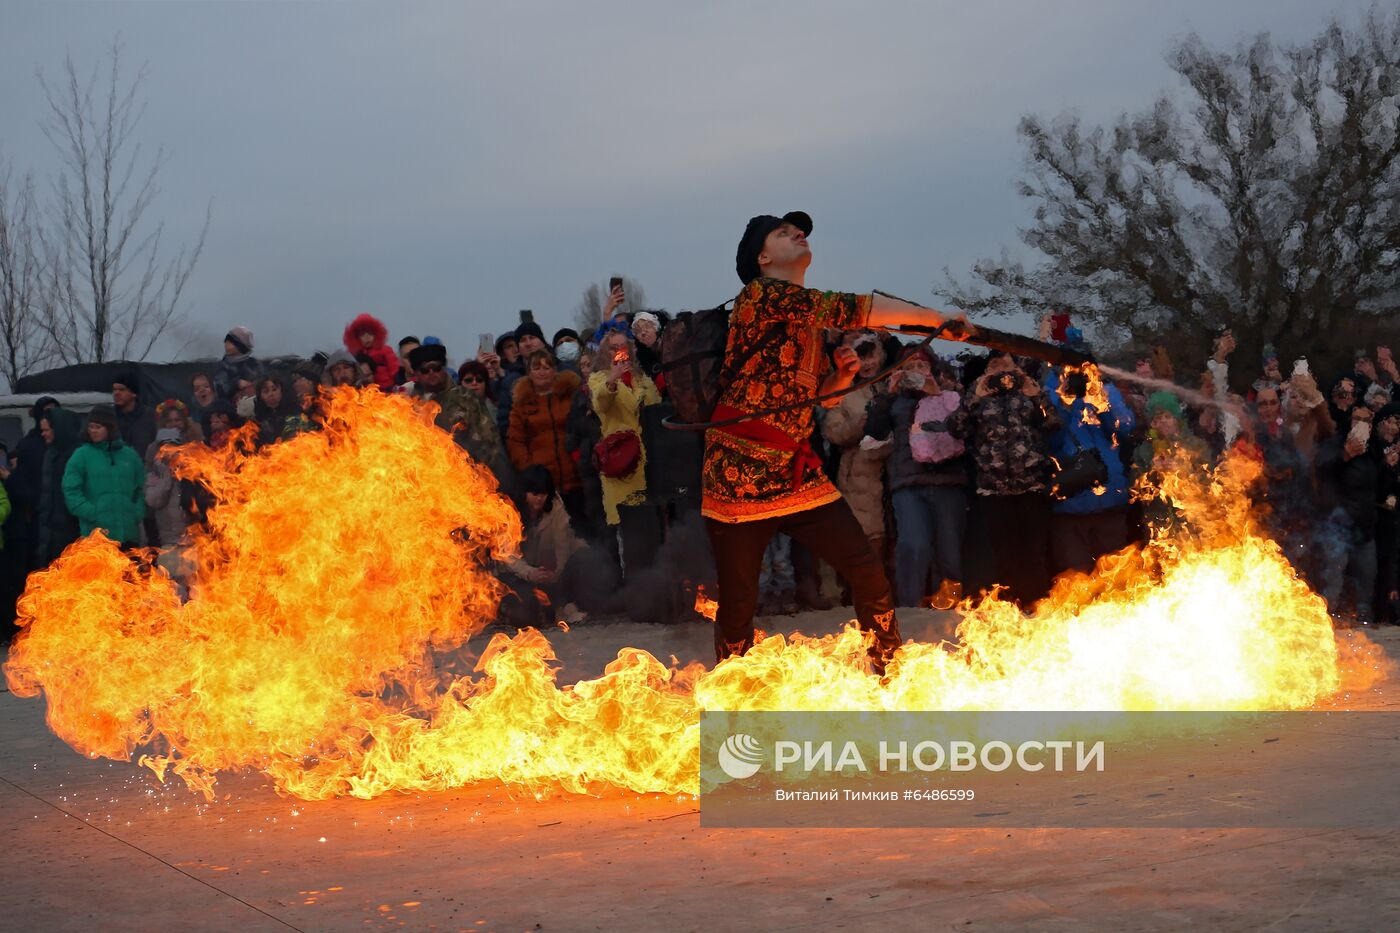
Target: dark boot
(809, 597)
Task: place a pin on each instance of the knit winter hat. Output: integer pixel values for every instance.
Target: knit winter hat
(241, 337)
(341, 355)
(529, 327)
(1159, 402)
(130, 380)
(104, 414)
(168, 436)
(561, 333)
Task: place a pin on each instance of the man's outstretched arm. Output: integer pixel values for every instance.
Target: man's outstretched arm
(892, 312)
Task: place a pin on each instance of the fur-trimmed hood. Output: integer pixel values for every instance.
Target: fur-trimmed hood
(566, 383)
(365, 322)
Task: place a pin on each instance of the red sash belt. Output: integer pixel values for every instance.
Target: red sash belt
(760, 432)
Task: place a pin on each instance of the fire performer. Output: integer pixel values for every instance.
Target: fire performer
(761, 476)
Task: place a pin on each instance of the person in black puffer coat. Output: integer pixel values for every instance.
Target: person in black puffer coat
(582, 432)
(1349, 471)
(55, 526)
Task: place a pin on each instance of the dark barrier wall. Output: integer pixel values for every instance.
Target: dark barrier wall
(158, 380)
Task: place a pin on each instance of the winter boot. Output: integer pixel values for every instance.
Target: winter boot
(809, 597)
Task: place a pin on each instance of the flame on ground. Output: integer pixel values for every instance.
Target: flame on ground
(704, 605)
(343, 565)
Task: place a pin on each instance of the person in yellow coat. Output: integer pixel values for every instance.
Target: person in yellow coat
(620, 391)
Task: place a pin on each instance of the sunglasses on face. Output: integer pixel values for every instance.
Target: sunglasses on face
(470, 380)
(430, 368)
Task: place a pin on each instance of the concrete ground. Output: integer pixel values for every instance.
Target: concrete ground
(98, 844)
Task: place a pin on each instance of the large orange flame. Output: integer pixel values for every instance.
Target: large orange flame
(343, 564)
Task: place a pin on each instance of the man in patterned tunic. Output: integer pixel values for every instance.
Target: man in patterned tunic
(761, 476)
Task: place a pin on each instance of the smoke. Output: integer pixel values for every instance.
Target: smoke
(662, 591)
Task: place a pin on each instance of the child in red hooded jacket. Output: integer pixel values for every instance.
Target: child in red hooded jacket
(367, 334)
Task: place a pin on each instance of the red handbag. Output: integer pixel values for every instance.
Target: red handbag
(618, 454)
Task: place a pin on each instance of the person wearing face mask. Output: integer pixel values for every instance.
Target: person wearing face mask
(566, 349)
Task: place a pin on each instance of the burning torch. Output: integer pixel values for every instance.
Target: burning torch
(1015, 344)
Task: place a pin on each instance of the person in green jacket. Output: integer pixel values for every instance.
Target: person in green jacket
(104, 483)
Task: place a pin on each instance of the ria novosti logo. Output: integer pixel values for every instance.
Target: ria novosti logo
(740, 756)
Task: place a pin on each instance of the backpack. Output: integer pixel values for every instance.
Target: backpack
(929, 440)
(693, 360)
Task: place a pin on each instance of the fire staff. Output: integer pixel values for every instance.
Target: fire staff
(761, 476)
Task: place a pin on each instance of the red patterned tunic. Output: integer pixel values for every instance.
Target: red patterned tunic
(745, 480)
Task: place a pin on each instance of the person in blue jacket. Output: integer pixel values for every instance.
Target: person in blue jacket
(1094, 522)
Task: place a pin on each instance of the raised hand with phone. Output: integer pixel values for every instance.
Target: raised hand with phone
(616, 296)
(486, 355)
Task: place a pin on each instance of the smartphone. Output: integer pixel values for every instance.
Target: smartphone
(1382, 353)
(614, 283)
(485, 343)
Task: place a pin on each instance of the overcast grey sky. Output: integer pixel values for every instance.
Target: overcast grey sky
(442, 165)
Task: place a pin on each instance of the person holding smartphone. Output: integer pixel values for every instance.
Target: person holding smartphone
(928, 476)
(613, 306)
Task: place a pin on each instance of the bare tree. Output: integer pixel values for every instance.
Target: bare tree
(1268, 200)
(24, 345)
(111, 294)
(588, 314)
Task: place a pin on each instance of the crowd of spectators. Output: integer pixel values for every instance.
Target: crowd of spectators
(965, 473)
